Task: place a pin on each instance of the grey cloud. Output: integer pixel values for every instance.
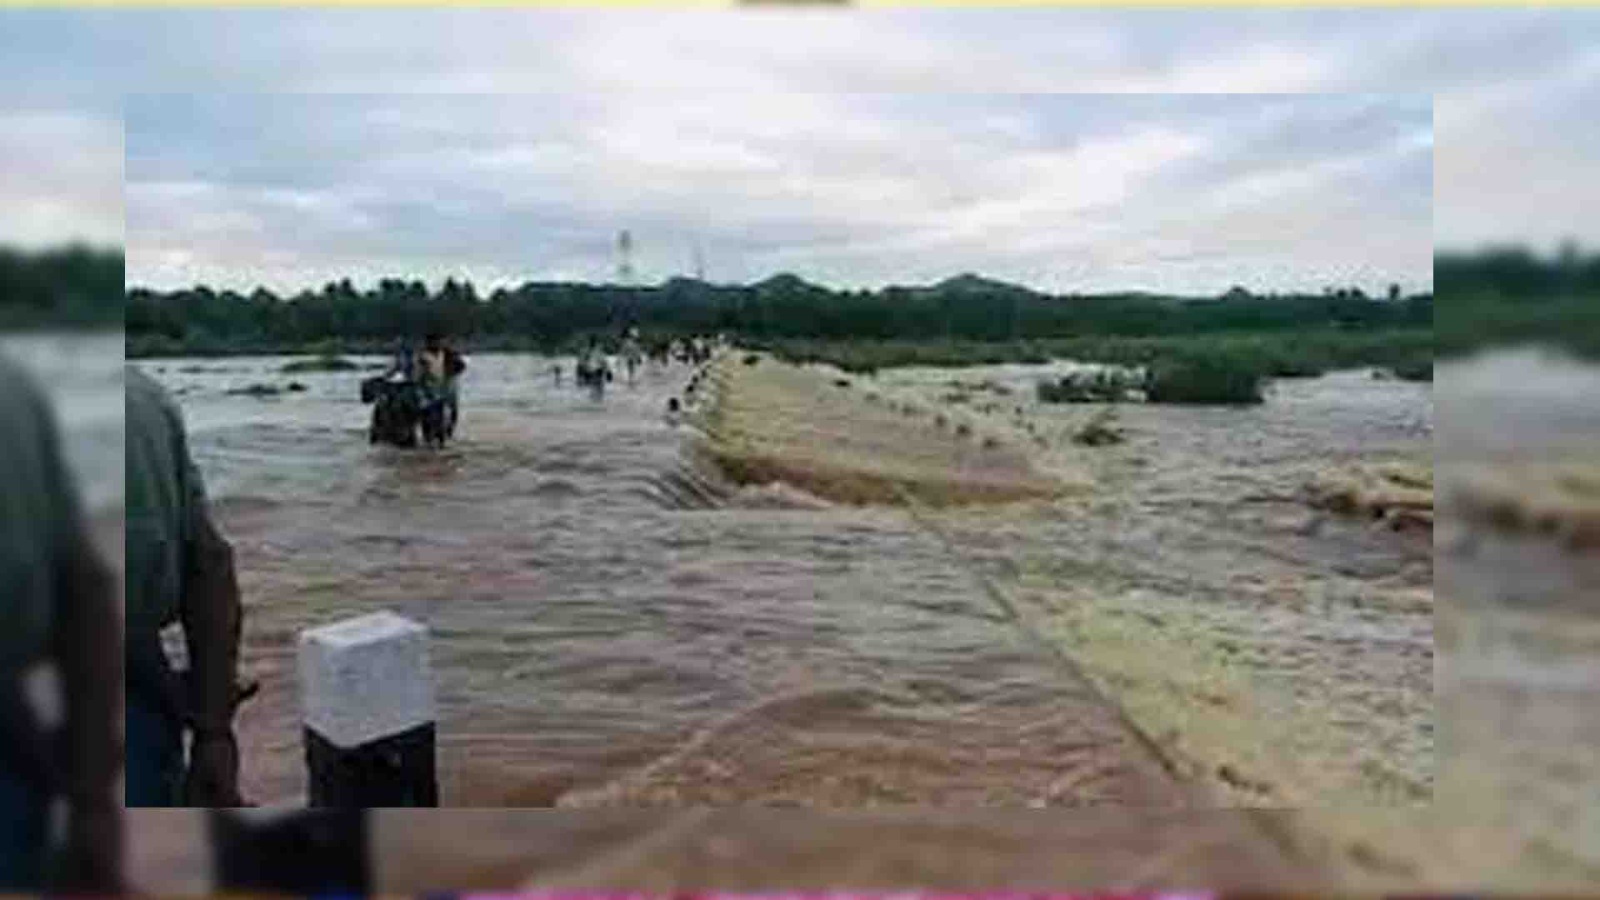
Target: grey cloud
(860, 188)
(1510, 89)
(60, 172)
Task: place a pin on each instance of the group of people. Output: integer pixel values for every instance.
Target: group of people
(436, 372)
(177, 746)
(593, 365)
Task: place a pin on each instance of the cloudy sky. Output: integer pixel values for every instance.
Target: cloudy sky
(60, 170)
(1183, 193)
(826, 142)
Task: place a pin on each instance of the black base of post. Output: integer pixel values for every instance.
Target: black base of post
(394, 771)
(305, 852)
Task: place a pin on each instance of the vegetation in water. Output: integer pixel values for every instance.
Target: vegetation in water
(1204, 379)
(1270, 354)
(320, 364)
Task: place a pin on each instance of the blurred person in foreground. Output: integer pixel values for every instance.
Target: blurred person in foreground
(179, 570)
(57, 610)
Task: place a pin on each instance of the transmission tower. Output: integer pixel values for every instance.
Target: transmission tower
(699, 262)
(625, 258)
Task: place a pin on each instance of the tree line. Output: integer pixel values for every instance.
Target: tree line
(1493, 295)
(549, 315)
(70, 287)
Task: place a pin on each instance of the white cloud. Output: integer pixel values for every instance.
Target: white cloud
(642, 109)
(62, 177)
(854, 188)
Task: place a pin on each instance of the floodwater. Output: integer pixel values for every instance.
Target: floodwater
(1198, 527)
(1520, 608)
(81, 376)
(599, 639)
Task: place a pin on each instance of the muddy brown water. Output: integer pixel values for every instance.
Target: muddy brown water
(595, 642)
(1198, 505)
(1519, 681)
(599, 641)
(1199, 519)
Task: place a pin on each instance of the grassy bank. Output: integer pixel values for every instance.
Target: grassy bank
(1470, 323)
(1282, 355)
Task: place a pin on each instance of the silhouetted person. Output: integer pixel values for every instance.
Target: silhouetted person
(57, 608)
(180, 570)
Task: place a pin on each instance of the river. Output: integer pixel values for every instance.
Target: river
(597, 641)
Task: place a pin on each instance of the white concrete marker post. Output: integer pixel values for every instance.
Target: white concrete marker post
(366, 691)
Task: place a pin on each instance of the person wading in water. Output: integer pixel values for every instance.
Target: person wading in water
(592, 369)
(632, 353)
(441, 371)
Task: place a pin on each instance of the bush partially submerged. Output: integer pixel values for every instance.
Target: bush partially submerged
(1205, 379)
(320, 364)
(256, 390)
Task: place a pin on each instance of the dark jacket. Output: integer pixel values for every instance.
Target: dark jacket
(57, 604)
(180, 568)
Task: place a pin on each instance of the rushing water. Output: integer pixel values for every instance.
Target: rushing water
(1519, 685)
(598, 641)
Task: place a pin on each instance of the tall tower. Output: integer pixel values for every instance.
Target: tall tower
(699, 262)
(625, 258)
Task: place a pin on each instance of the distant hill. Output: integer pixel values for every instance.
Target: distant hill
(968, 283)
(788, 282)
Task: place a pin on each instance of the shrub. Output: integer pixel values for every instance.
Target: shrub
(256, 390)
(1294, 367)
(1205, 380)
(320, 364)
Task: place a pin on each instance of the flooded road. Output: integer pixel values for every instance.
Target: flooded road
(599, 643)
(600, 640)
(1282, 651)
(596, 642)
